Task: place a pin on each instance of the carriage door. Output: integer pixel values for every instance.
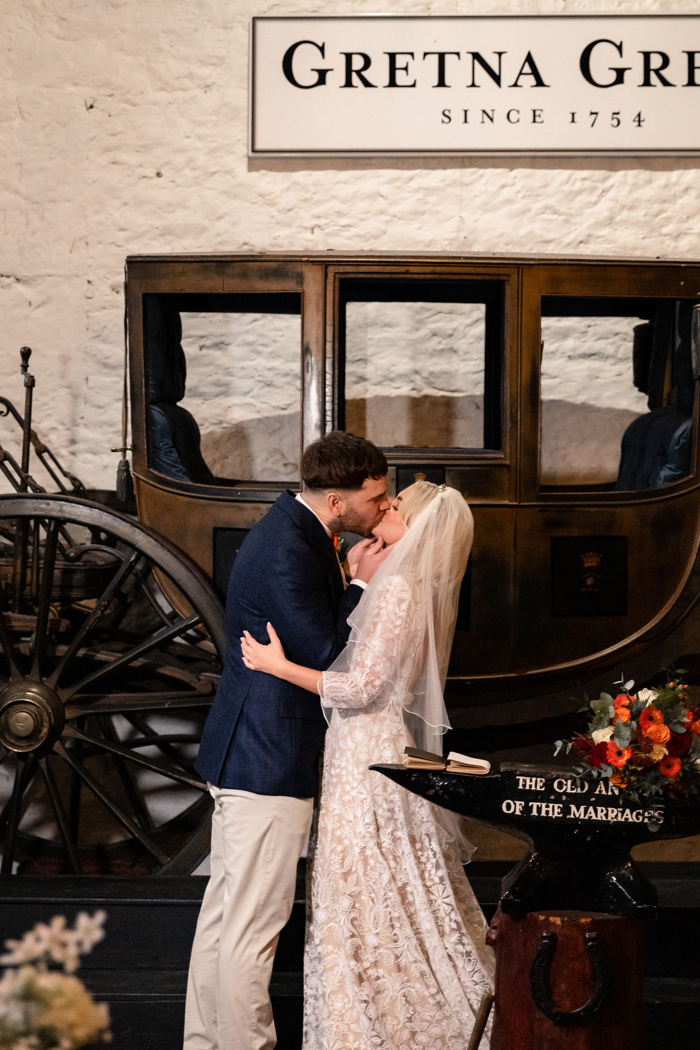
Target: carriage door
(419, 363)
(225, 357)
(606, 528)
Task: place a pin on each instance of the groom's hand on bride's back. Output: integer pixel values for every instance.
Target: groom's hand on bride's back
(368, 556)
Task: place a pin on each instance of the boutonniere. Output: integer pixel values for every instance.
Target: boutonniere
(342, 548)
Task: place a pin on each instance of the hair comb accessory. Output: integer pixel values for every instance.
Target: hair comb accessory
(443, 488)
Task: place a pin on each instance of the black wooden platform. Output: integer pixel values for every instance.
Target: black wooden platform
(140, 968)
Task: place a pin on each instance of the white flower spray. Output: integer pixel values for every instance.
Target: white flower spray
(42, 1008)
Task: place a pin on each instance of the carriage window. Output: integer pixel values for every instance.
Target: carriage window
(421, 362)
(224, 386)
(617, 392)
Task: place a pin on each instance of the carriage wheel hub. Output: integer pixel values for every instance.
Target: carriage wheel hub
(31, 715)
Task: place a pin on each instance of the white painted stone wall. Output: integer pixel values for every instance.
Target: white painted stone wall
(123, 130)
(414, 373)
(244, 390)
(588, 397)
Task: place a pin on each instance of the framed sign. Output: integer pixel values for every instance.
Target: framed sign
(475, 85)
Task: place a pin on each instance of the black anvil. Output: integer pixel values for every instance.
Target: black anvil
(580, 833)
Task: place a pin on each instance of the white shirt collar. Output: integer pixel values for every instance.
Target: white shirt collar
(300, 498)
(303, 502)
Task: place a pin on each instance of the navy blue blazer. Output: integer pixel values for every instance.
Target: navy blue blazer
(262, 734)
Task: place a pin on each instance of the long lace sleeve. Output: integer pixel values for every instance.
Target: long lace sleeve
(377, 659)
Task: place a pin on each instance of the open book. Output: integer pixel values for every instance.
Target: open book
(414, 758)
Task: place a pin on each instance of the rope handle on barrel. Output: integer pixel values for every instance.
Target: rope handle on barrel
(541, 993)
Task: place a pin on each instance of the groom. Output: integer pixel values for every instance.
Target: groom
(263, 737)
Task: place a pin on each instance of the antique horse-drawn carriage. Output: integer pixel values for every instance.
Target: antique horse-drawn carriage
(559, 396)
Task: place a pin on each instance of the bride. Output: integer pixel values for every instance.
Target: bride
(395, 956)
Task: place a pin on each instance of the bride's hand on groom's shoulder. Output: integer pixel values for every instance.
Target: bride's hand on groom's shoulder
(365, 558)
(268, 658)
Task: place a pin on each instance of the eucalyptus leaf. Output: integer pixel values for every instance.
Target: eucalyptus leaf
(603, 707)
(622, 734)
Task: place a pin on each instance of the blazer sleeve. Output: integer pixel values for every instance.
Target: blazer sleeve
(350, 598)
(312, 629)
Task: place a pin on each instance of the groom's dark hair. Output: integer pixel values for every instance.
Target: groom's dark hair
(341, 461)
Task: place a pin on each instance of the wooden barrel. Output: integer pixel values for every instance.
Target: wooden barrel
(568, 979)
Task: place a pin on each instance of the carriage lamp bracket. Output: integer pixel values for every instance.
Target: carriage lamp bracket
(31, 715)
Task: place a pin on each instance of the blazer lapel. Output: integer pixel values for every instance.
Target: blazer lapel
(317, 537)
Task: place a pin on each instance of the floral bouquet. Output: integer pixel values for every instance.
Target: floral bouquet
(646, 743)
(42, 1008)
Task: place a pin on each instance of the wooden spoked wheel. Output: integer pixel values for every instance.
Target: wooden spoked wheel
(104, 687)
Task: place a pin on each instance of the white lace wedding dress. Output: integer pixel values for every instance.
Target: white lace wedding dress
(395, 956)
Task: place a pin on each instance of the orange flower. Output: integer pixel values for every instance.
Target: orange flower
(617, 780)
(659, 734)
(622, 701)
(670, 766)
(616, 756)
(622, 714)
(648, 717)
(695, 728)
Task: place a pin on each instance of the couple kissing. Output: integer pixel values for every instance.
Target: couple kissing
(395, 954)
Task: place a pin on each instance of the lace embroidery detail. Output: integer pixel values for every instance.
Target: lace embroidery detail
(395, 956)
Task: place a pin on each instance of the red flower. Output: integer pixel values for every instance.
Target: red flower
(583, 744)
(649, 717)
(679, 744)
(640, 760)
(598, 755)
(659, 734)
(669, 766)
(618, 756)
(622, 701)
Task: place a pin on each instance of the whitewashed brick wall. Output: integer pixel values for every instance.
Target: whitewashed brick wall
(123, 130)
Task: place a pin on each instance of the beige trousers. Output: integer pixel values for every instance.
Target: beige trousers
(256, 841)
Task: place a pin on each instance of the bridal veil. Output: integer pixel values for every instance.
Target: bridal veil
(431, 560)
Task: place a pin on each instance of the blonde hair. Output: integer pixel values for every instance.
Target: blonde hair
(425, 567)
(414, 499)
(413, 502)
